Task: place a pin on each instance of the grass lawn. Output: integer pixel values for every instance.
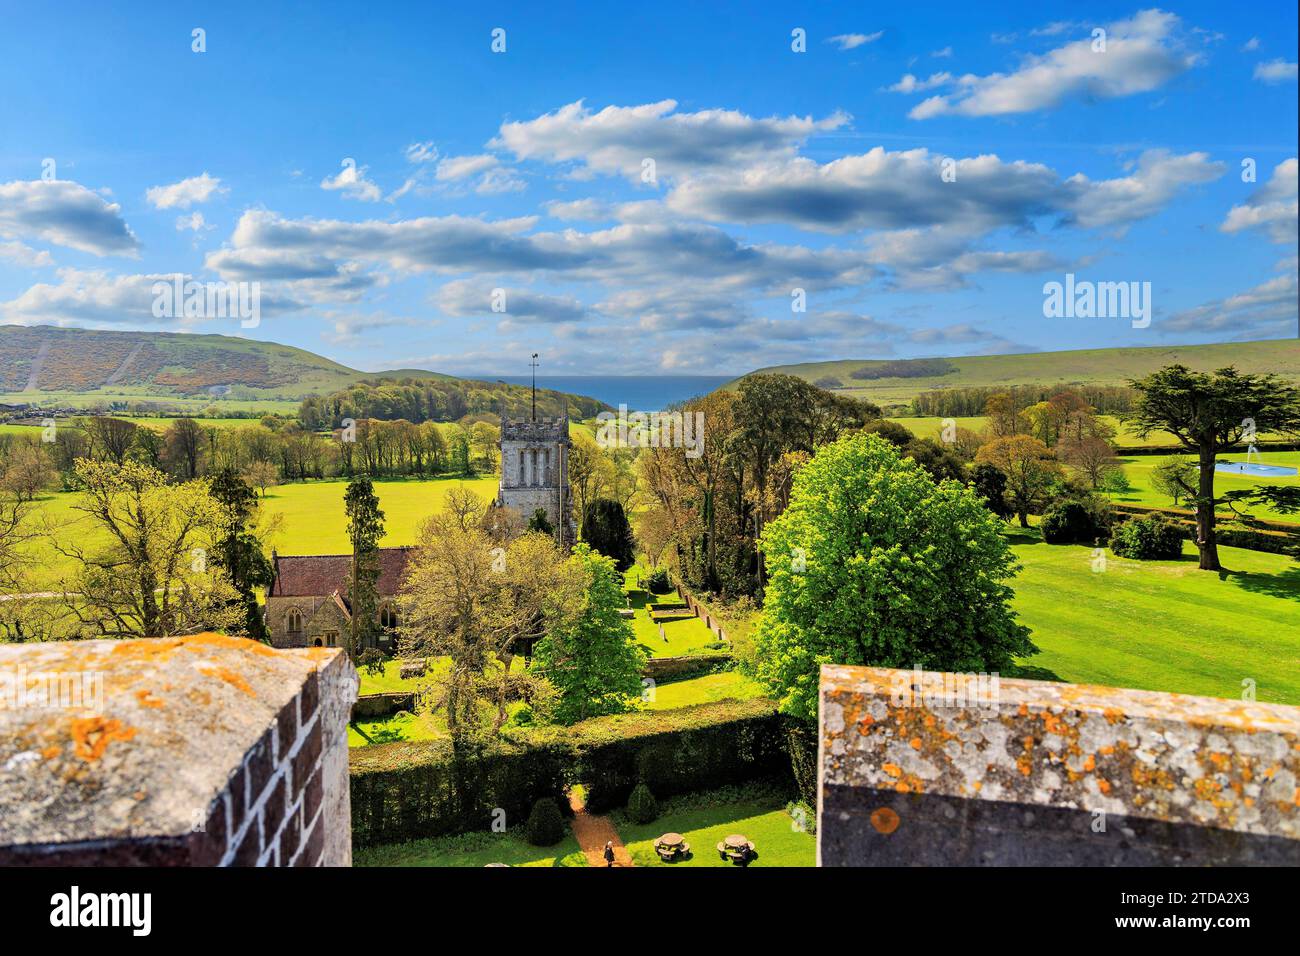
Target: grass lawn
(1138, 470)
(685, 636)
(313, 521)
(1163, 625)
(472, 849)
(726, 685)
(387, 730)
(705, 820)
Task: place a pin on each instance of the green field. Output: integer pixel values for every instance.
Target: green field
(472, 849)
(1079, 367)
(931, 427)
(1138, 470)
(1162, 625)
(312, 517)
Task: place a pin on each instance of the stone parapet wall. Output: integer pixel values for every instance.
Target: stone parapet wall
(1040, 773)
(191, 751)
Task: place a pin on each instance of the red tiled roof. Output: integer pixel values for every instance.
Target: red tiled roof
(310, 575)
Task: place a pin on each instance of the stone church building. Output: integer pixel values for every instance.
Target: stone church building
(307, 604)
(535, 471)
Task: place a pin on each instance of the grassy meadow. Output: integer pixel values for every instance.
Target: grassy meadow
(1162, 625)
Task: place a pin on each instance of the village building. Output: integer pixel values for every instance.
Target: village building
(307, 604)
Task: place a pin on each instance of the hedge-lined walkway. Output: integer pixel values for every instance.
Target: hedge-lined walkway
(593, 832)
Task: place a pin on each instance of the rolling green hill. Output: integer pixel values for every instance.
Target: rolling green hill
(86, 367)
(1085, 366)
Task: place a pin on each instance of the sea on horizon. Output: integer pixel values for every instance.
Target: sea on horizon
(645, 393)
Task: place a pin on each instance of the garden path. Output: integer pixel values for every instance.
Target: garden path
(593, 832)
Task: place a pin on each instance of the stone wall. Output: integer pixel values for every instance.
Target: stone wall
(916, 772)
(190, 751)
(690, 665)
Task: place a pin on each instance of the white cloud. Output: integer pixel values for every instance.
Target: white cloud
(193, 222)
(186, 193)
(617, 139)
(25, 255)
(851, 41)
(466, 298)
(1276, 71)
(907, 190)
(352, 183)
(1251, 45)
(421, 152)
(66, 214)
(910, 84)
(460, 167)
(1273, 207)
(1141, 54)
(100, 298)
(942, 54)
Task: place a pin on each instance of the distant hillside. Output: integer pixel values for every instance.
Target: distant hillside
(49, 365)
(896, 382)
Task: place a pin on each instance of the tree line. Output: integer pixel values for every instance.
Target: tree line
(436, 400)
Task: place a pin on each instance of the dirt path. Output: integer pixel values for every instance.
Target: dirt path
(593, 832)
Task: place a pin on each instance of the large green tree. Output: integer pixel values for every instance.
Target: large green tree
(605, 527)
(239, 550)
(874, 563)
(365, 529)
(590, 653)
(1208, 414)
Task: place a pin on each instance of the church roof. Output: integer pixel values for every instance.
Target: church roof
(312, 575)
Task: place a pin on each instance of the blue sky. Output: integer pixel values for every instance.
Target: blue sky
(522, 179)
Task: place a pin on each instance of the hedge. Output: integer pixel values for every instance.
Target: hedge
(412, 790)
(673, 751)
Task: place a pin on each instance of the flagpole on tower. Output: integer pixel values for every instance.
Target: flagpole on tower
(533, 365)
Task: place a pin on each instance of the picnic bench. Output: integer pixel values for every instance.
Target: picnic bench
(736, 848)
(671, 846)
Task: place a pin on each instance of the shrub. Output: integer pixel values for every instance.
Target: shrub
(1153, 538)
(641, 805)
(372, 661)
(545, 825)
(658, 582)
(1071, 522)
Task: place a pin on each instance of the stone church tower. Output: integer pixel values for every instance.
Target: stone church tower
(535, 471)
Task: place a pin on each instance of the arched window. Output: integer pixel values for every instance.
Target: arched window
(388, 618)
(293, 622)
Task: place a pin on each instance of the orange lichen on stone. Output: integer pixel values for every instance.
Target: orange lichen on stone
(1090, 764)
(146, 699)
(885, 820)
(92, 735)
(1103, 786)
(49, 753)
(230, 677)
(893, 769)
(1113, 715)
(916, 743)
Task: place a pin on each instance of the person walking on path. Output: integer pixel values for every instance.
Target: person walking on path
(609, 853)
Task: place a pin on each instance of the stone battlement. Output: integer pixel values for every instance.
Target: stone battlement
(542, 430)
(204, 750)
(1043, 773)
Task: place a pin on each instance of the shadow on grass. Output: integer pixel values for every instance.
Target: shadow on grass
(1031, 672)
(1285, 584)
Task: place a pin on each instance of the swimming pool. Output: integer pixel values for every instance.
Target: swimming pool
(1243, 468)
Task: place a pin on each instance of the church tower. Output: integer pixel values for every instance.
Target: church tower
(535, 471)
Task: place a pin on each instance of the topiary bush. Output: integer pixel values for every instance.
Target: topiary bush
(642, 807)
(545, 825)
(1070, 522)
(658, 582)
(1153, 538)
